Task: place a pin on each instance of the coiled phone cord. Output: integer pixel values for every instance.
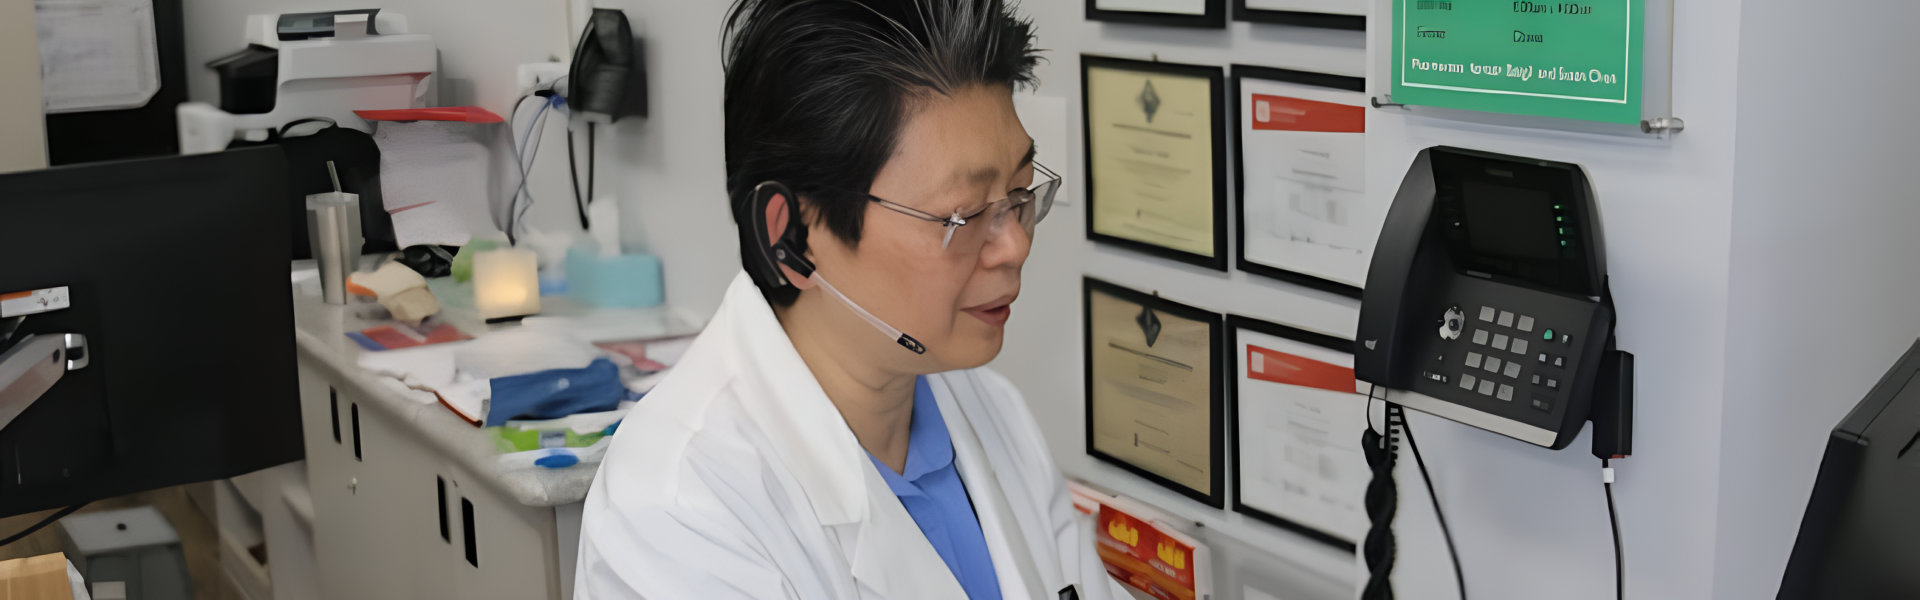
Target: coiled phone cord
(1382, 502)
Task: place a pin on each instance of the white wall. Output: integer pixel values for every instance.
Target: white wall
(1823, 274)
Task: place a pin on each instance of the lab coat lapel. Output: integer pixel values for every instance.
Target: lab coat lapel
(889, 555)
(787, 404)
(1013, 560)
(893, 557)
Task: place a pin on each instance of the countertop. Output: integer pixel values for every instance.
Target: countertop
(320, 333)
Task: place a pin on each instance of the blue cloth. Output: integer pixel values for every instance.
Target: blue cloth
(555, 393)
(936, 499)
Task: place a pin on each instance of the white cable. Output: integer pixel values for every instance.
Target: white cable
(892, 334)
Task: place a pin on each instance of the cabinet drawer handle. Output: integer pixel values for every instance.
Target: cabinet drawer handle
(466, 517)
(445, 534)
(333, 398)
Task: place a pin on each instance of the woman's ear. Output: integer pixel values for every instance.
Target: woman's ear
(779, 213)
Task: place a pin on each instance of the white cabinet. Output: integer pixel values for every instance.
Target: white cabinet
(394, 518)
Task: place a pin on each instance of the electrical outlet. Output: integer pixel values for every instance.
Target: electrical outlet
(533, 76)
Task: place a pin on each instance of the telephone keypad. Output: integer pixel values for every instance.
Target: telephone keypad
(1499, 366)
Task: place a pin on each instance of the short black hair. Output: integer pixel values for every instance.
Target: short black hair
(817, 91)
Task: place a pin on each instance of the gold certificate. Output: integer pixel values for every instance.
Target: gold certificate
(1155, 175)
(1178, 13)
(1153, 394)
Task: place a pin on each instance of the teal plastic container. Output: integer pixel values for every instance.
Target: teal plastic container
(624, 281)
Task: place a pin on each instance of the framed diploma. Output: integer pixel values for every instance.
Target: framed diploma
(1297, 418)
(1155, 140)
(1181, 13)
(1300, 178)
(1331, 14)
(1154, 403)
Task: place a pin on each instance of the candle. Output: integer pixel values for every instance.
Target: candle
(506, 283)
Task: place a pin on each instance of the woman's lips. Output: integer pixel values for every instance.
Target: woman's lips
(995, 315)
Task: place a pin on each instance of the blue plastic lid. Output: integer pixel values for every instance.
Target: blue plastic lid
(557, 460)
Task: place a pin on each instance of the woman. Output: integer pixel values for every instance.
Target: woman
(831, 434)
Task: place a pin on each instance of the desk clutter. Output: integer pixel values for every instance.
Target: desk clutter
(546, 388)
(544, 395)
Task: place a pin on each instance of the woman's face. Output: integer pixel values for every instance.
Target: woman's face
(955, 155)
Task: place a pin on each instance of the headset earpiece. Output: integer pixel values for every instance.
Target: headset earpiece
(788, 248)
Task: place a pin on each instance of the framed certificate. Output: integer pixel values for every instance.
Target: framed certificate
(1156, 174)
(1181, 13)
(1297, 418)
(1331, 14)
(1154, 403)
(1300, 178)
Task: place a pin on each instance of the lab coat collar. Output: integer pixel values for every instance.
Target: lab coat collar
(789, 407)
(834, 472)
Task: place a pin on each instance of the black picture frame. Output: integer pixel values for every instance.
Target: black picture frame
(1217, 471)
(1298, 18)
(1235, 323)
(1216, 78)
(1239, 73)
(1214, 18)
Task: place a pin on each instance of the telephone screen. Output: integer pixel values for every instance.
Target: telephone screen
(1509, 222)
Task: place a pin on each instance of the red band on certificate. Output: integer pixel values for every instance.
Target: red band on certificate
(1281, 113)
(1279, 367)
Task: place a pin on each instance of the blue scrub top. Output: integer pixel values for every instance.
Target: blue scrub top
(936, 499)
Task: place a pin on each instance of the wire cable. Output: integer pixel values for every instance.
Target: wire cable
(591, 164)
(1459, 577)
(526, 149)
(1613, 517)
(573, 173)
(1382, 502)
(43, 523)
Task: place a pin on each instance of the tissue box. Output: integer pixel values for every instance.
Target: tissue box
(624, 281)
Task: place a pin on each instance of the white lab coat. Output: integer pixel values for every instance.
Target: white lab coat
(737, 478)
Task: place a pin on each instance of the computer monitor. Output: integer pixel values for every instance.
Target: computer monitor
(1860, 534)
(176, 273)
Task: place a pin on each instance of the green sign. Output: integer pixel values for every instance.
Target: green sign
(1574, 60)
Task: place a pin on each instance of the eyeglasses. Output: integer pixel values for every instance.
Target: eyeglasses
(1026, 207)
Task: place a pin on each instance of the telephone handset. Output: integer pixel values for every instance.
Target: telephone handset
(1487, 301)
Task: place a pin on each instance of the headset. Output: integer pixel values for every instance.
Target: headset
(787, 251)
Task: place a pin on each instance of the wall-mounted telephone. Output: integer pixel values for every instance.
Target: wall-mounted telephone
(1487, 301)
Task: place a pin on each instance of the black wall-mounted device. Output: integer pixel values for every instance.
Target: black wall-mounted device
(608, 77)
(1858, 536)
(1487, 300)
